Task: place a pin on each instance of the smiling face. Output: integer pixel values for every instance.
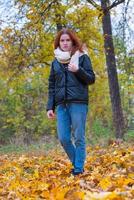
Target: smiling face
(65, 42)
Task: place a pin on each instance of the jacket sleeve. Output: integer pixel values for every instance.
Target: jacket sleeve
(51, 91)
(85, 72)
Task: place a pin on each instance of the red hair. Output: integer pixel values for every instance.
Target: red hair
(77, 45)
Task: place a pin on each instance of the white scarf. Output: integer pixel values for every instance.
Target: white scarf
(65, 56)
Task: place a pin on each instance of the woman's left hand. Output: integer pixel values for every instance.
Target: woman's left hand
(72, 67)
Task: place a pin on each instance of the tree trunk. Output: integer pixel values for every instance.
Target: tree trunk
(118, 120)
(58, 24)
(58, 18)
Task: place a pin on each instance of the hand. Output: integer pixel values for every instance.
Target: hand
(72, 67)
(50, 114)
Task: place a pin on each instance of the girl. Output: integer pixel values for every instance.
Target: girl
(71, 73)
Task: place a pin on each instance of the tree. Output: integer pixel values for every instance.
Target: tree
(118, 119)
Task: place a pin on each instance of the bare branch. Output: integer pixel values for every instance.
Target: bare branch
(115, 3)
(94, 4)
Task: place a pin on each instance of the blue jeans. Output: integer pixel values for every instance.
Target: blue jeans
(71, 121)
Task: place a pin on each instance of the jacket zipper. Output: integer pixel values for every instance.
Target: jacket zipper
(65, 98)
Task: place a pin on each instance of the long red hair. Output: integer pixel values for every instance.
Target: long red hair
(77, 45)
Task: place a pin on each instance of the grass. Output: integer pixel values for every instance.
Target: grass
(37, 147)
(129, 136)
(98, 135)
(102, 135)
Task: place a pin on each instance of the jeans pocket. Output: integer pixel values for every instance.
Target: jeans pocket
(59, 109)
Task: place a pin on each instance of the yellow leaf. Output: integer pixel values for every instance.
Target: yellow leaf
(105, 183)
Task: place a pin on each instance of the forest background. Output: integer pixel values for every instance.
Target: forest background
(27, 33)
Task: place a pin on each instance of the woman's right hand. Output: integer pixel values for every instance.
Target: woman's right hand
(50, 114)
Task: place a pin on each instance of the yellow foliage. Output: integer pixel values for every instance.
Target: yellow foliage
(34, 176)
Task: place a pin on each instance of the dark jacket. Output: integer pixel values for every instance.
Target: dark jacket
(66, 86)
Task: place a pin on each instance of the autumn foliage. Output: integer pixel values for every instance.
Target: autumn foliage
(26, 53)
(108, 175)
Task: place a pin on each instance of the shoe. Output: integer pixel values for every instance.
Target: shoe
(76, 173)
(72, 170)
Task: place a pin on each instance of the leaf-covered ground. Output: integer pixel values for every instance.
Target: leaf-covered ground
(109, 174)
